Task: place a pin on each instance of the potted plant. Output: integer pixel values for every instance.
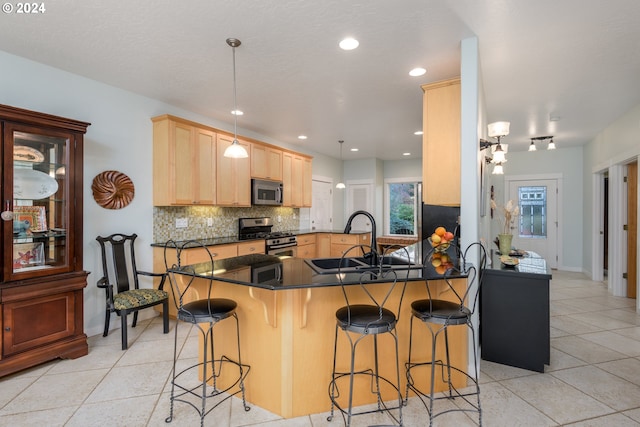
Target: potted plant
(507, 215)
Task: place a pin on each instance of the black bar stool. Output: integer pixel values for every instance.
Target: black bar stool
(208, 311)
(367, 315)
(439, 315)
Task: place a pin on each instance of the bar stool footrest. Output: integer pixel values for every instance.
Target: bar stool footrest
(450, 394)
(382, 405)
(197, 390)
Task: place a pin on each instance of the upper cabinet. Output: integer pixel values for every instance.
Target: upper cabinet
(441, 143)
(184, 163)
(42, 277)
(266, 162)
(189, 167)
(234, 175)
(296, 180)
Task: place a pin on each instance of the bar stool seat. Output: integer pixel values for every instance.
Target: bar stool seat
(366, 319)
(205, 311)
(204, 314)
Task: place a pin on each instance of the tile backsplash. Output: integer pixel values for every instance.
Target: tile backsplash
(224, 221)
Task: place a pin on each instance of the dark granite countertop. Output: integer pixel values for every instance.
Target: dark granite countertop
(278, 273)
(528, 263)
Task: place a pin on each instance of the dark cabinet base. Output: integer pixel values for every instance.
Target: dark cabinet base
(71, 348)
(42, 320)
(514, 319)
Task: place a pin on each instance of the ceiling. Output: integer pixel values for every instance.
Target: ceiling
(576, 60)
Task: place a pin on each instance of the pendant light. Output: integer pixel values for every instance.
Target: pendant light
(341, 185)
(532, 146)
(235, 150)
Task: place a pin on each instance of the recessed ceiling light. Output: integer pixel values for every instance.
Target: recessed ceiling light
(416, 72)
(354, 149)
(302, 136)
(406, 154)
(237, 112)
(349, 43)
(418, 132)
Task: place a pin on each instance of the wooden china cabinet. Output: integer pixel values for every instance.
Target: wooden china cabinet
(42, 280)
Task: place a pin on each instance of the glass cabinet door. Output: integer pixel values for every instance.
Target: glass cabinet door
(40, 201)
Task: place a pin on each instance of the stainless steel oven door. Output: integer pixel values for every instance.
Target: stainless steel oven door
(291, 251)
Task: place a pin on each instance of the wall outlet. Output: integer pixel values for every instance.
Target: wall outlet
(209, 222)
(182, 222)
(279, 218)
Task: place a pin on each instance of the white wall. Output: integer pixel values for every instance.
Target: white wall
(402, 168)
(567, 162)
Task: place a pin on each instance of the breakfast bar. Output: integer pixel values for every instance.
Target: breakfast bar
(286, 310)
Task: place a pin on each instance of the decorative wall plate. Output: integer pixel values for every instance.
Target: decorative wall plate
(33, 184)
(22, 153)
(112, 189)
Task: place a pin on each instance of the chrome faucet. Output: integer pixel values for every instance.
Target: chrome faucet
(347, 228)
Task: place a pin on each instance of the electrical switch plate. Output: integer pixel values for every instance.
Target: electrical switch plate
(209, 222)
(182, 222)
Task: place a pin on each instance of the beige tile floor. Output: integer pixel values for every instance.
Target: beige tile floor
(593, 379)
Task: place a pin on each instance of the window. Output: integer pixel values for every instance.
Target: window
(401, 207)
(533, 212)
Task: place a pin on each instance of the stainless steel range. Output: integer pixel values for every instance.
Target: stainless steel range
(280, 243)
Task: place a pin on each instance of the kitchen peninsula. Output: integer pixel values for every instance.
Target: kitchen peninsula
(287, 311)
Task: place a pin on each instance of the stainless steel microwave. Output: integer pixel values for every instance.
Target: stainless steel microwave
(266, 193)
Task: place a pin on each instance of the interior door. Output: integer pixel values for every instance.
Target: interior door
(359, 197)
(632, 228)
(537, 228)
(321, 205)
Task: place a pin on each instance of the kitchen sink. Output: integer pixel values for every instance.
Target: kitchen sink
(350, 265)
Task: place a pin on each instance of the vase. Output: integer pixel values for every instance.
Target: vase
(504, 243)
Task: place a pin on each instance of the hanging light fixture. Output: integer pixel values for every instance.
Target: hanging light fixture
(497, 169)
(496, 130)
(340, 185)
(551, 145)
(498, 155)
(235, 150)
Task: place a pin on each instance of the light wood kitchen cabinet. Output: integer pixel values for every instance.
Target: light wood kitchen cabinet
(266, 162)
(306, 182)
(306, 246)
(233, 183)
(192, 256)
(296, 180)
(42, 280)
(251, 247)
(323, 245)
(184, 164)
(342, 242)
(441, 143)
